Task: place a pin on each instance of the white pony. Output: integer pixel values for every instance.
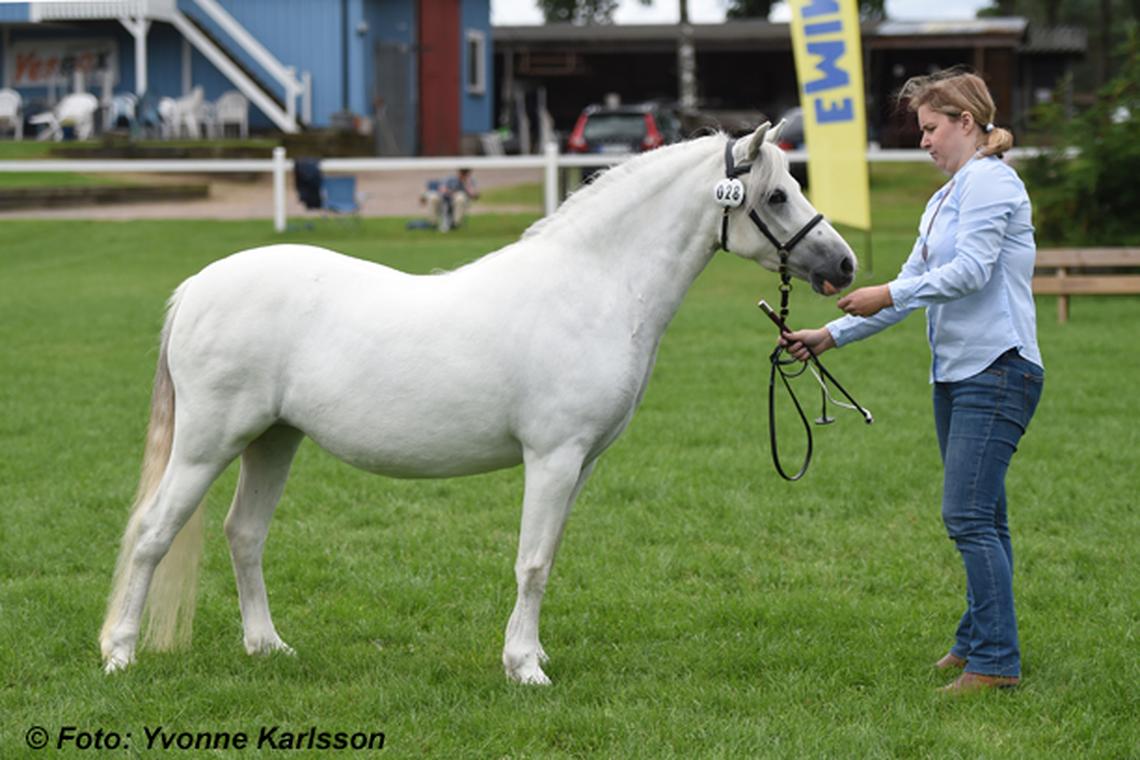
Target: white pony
(537, 353)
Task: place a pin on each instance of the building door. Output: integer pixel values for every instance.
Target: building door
(439, 72)
(393, 104)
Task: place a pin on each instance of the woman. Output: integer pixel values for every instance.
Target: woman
(971, 267)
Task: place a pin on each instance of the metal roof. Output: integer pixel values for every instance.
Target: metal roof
(735, 31)
(751, 34)
(1067, 39)
(982, 26)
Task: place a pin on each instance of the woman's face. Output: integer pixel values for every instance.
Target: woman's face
(950, 142)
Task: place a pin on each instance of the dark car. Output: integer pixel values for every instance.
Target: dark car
(792, 135)
(792, 138)
(623, 129)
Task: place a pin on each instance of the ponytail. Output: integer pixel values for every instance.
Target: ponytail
(996, 142)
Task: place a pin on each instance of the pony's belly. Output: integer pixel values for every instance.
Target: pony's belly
(431, 451)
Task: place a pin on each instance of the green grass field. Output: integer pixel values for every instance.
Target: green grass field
(700, 606)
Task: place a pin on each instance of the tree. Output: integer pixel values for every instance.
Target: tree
(602, 11)
(1089, 196)
(1107, 21)
(577, 11)
(750, 8)
(869, 10)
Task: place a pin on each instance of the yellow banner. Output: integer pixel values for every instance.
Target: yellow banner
(829, 66)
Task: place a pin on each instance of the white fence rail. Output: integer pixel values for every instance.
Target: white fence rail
(550, 162)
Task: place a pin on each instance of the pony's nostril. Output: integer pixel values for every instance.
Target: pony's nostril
(846, 266)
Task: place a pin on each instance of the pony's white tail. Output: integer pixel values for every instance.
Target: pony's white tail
(172, 597)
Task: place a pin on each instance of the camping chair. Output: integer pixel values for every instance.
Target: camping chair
(338, 195)
(335, 195)
(122, 112)
(12, 113)
(148, 117)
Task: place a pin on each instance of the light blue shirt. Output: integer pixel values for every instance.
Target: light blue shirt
(976, 281)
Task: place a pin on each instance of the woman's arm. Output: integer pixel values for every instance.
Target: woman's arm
(986, 202)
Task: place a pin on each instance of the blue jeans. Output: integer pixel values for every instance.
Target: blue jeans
(979, 422)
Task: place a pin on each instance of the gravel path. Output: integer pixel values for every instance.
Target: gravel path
(384, 194)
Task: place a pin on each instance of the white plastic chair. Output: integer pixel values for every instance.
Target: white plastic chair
(185, 115)
(77, 110)
(233, 108)
(492, 143)
(168, 127)
(12, 113)
(188, 113)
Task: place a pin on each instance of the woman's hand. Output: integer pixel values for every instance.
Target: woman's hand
(797, 343)
(865, 302)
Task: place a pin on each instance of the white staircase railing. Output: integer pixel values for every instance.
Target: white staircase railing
(285, 121)
(136, 14)
(286, 76)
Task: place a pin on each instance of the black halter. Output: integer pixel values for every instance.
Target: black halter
(778, 363)
(733, 171)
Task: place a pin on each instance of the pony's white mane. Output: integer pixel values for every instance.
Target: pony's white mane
(611, 177)
(760, 177)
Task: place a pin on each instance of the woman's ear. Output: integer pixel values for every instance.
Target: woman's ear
(967, 119)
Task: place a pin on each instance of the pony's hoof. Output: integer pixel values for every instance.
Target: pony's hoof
(528, 672)
(530, 676)
(268, 647)
(116, 663)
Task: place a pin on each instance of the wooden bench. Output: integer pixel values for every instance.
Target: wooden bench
(1089, 278)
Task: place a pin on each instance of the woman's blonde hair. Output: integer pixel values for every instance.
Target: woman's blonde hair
(954, 92)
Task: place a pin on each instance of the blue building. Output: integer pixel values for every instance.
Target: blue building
(419, 70)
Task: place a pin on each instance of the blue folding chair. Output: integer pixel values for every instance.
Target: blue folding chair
(338, 195)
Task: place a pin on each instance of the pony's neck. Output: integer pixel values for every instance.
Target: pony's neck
(650, 224)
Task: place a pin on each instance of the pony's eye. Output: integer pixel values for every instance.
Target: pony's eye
(777, 196)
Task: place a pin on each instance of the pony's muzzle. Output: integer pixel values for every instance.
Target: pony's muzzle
(831, 281)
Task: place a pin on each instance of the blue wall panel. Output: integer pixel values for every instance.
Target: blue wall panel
(476, 108)
(13, 12)
(304, 34)
(163, 60)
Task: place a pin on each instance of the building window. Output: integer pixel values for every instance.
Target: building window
(476, 55)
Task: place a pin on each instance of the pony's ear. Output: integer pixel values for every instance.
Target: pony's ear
(755, 141)
(773, 135)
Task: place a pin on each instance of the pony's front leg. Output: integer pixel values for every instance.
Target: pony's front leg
(552, 485)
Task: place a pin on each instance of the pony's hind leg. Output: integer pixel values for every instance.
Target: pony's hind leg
(264, 468)
(151, 535)
(552, 485)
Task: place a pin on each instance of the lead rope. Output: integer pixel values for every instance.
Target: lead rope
(779, 365)
(729, 193)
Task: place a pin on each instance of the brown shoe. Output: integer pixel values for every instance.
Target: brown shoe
(970, 682)
(950, 660)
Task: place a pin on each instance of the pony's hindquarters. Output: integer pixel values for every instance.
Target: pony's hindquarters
(169, 539)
